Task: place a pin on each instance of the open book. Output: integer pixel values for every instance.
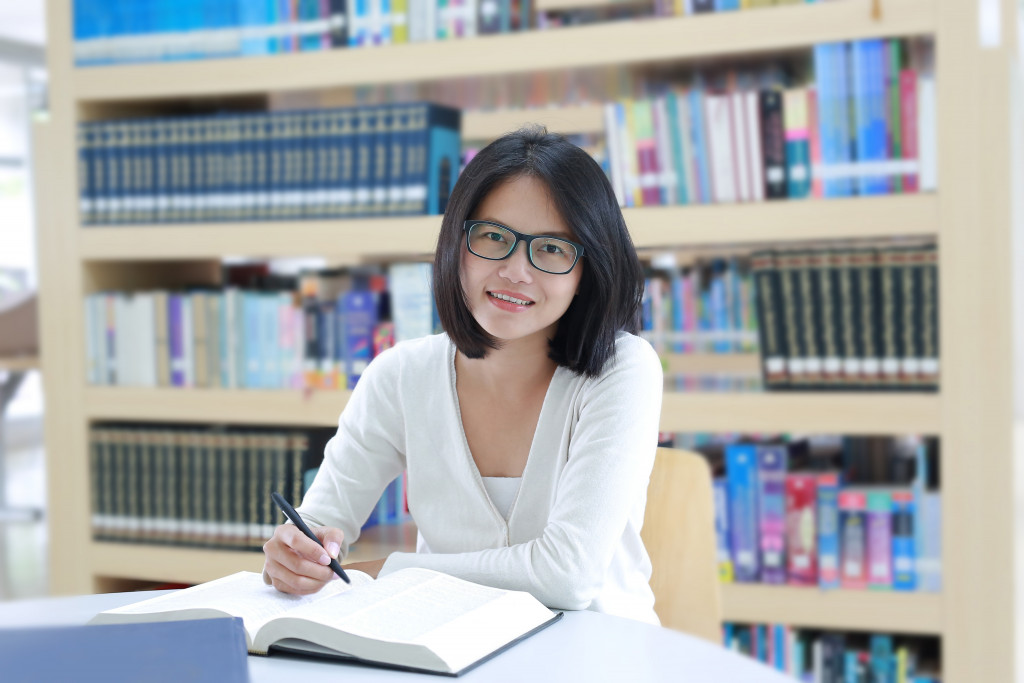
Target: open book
(411, 619)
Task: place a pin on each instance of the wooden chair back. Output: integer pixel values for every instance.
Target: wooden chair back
(679, 533)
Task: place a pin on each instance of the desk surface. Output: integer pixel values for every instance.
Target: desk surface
(583, 646)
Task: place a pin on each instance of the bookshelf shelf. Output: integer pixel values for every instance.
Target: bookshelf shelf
(859, 413)
(598, 45)
(883, 611)
(864, 413)
(652, 227)
(196, 565)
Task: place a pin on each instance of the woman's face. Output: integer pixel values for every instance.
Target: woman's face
(522, 204)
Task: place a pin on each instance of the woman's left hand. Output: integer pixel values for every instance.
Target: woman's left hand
(372, 567)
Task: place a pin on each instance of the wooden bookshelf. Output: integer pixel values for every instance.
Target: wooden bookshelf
(971, 218)
(613, 43)
(839, 413)
(651, 228)
(879, 611)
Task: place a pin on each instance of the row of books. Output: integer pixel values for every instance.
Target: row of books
(849, 318)
(320, 332)
(705, 306)
(780, 522)
(818, 656)
(197, 487)
(380, 160)
(865, 126)
(124, 31)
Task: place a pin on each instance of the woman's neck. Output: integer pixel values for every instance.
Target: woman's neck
(513, 368)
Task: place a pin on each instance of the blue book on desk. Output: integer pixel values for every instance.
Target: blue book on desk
(175, 651)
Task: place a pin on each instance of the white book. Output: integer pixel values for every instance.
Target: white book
(412, 300)
(720, 148)
(738, 132)
(147, 346)
(413, 619)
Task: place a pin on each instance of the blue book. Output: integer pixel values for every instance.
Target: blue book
(869, 112)
(310, 10)
(251, 319)
(672, 103)
(381, 160)
(883, 662)
(844, 139)
(699, 141)
(904, 556)
(360, 314)
(723, 552)
(254, 13)
(270, 341)
(741, 478)
(171, 652)
(443, 155)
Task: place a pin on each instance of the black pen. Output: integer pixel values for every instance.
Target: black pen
(291, 514)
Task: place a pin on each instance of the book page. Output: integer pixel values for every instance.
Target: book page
(240, 595)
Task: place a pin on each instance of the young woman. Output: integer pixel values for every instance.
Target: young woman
(528, 429)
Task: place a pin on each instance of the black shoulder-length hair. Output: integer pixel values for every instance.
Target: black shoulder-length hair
(612, 281)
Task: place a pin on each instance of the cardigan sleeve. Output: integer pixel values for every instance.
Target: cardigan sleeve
(610, 457)
(363, 457)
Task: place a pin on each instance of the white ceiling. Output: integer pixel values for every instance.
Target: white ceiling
(23, 20)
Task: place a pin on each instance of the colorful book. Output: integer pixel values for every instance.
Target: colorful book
(772, 465)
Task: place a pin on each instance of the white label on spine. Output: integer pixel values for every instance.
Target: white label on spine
(890, 366)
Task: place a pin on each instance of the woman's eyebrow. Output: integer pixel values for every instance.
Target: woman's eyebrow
(556, 232)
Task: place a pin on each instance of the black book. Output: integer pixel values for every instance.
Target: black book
(773, 144)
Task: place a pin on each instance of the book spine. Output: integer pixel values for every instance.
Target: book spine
(853, 539)
(828, 530)
(879, 540)
(773, 136)
(741, 473)
(904, 570)
(445, 147)
(801, 530)
(797, 153)
(772, 465)
(826, 276)
(740, 145)
(908, 126)
(720, 148)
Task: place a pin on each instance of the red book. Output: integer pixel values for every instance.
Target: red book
(815, 141)
(801, 529)
(908, 123)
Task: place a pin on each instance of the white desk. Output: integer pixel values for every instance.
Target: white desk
(583, 646)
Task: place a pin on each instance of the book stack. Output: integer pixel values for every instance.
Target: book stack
(123, 31)
(831, 657)
(865, 126)
(352, 162)
(862, 514)
(319, 331)
(849, 318)
(191, 486)
(704, 307)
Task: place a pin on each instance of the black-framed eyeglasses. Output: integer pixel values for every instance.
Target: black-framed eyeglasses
(495, 242)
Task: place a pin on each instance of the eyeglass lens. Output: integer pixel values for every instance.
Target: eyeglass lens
(549, 254)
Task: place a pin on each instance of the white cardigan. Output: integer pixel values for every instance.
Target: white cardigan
(573, 534)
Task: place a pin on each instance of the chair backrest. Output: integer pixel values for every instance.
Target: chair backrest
(679, 533)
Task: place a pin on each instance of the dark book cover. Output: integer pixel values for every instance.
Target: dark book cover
(790, 264)
(832, 340)
(770, 323)
(890, 315)
(773, 143)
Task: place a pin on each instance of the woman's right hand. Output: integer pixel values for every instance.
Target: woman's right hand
(296, 564)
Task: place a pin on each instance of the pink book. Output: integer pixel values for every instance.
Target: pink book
(814, 140)
(801, 529)
(908, 123)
